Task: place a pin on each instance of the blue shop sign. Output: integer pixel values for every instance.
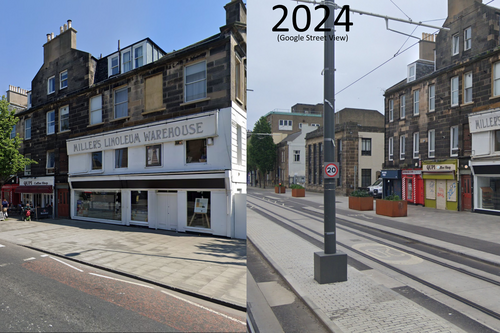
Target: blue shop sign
(390, 174)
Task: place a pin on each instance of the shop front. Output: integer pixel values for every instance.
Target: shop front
(391, 183)
(485, 161)
(9, 192)
(440, 184)
(38, 192)
(413, 186)
(171, 175)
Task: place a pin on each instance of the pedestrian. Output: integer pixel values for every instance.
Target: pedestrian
(27, 213)
(5, 207)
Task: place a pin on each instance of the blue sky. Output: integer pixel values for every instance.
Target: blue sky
(171, 24)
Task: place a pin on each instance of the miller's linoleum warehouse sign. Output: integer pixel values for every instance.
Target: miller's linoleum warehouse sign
(484, 121)
(188, 129)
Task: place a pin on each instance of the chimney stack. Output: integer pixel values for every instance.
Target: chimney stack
(426, 47)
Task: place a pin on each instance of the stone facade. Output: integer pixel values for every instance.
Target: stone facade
(88, 77)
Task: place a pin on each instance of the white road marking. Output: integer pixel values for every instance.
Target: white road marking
(32, 258)
(62, 262)
(205, 308)
(109, 277)
(2, 245)
(44, 255)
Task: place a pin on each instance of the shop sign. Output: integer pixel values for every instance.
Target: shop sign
(411, 172)
(438, 167)
(188, 129)
(489, 121)
(34, 181)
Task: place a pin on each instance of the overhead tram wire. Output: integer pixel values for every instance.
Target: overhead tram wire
(401, 10)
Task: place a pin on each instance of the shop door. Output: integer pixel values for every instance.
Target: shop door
(63, 203)
(167, 211)
(466, 181)
(441, 194)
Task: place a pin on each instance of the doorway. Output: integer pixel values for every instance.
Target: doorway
(466, 181)
(167, 211)
(441, 194)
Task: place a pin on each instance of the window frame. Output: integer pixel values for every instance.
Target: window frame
(13, 132)
(61, 119)
(467, 41)
(62, 81)
(402, 147)
(416, 102)
(296, 155)
(26, 127)
(432, 97)
(129, 62)
(366, 177)
(431, 140)
(96, 169)
(141, 57)
(466, 88)
(410, 76)
(50, 170)
(454, 91)
(91, 111)
(203, 81)
(416, 145)
(391, 110)
(402, 106)
(496, 80)
(126, 158)
(364, 149)
(116, 91)
(391, 149)
(453, 130)
(117, 57)
(455, 44)
(51, 122)
(51, 81)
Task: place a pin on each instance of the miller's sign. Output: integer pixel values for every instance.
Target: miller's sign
(484, 121)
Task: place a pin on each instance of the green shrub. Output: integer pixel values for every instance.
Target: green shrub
(296, 187)
(360, 193)
(392, 197)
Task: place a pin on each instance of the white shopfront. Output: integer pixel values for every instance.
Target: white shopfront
(184, 174)
(485, 160)
(36, 191)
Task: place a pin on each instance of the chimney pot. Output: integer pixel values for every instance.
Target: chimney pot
(61, 29)
(51, 35)
(48, 37)
(65, 27)
(69, 24)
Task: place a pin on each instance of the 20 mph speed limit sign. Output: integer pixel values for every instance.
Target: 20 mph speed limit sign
(331, 170)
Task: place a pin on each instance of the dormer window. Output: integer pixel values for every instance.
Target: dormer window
(114, 65)
(138, 57)
(127, 62)
(411, 72)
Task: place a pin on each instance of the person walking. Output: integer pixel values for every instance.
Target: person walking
(5, 207)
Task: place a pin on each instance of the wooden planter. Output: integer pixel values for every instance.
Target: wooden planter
(279, 189)
(391, 208)
(361, 203)
(298, 192)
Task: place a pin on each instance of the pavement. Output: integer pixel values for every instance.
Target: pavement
(366, 302)
(211, 267)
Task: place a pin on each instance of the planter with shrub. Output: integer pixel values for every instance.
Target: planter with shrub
(360, 200)
(391, 206)
(298, 190)
(279, 188)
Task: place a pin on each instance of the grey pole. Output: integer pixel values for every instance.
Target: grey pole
(330, 265)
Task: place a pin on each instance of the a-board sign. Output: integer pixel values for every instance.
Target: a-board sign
(331, 170)
(201, 205)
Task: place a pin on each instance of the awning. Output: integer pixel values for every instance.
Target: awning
(34, 189)
(9, 187)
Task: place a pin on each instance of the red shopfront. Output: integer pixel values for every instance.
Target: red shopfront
(413, 186)
(9, 194)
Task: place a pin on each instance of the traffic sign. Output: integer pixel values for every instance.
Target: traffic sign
(331, 170)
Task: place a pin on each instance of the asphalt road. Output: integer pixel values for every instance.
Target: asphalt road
(44, 293)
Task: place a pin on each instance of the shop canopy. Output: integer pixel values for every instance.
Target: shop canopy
(34, 189)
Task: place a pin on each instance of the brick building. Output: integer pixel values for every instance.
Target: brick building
(426, 114)
(359, 137)
(142, 136)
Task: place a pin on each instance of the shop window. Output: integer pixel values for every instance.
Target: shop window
(97, 160)
(489, 192)
(366, 147)
(196, 151)
(153, 155)
(195, 78)
(102, 205)
(198, 209)
(121, 158)
(51, 162)
(366, 177)
(139, 205)
(153, 96)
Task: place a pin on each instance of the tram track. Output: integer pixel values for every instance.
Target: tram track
(308, 233)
